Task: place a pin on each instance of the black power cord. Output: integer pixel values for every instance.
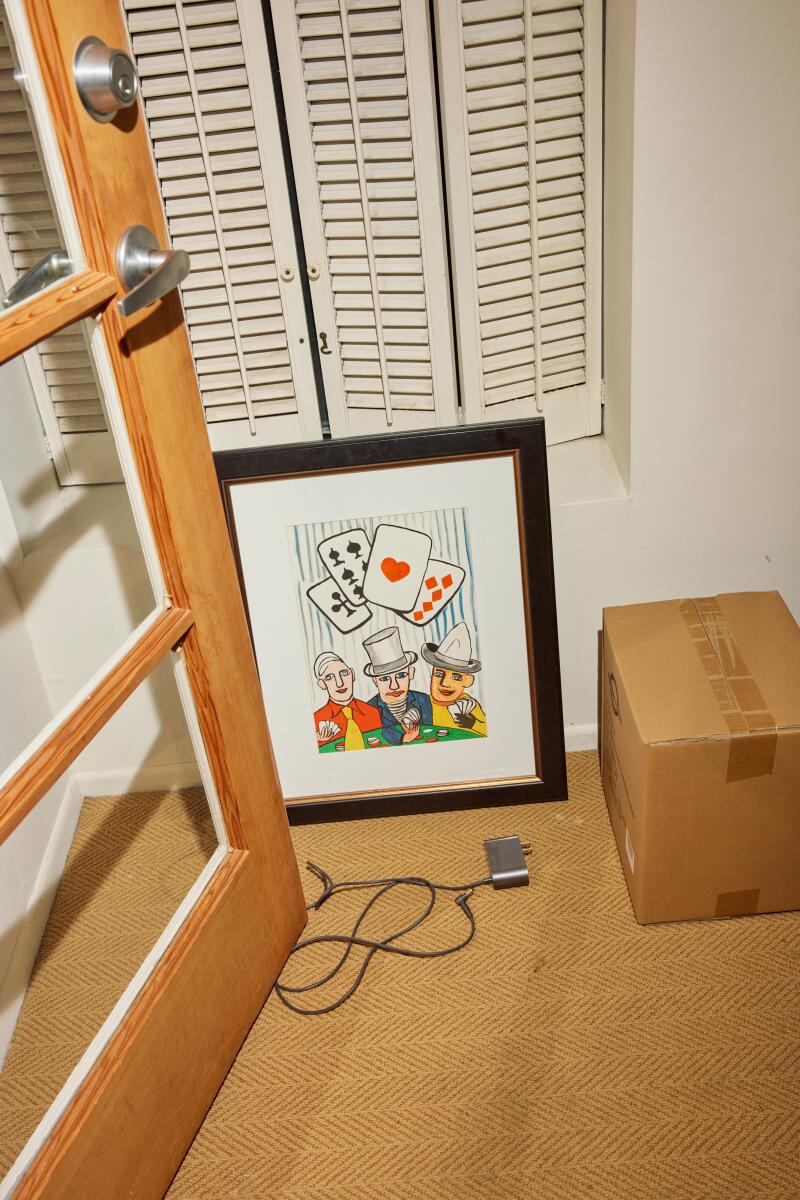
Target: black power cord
(387, 945)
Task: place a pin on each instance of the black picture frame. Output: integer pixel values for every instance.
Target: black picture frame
(524, 441)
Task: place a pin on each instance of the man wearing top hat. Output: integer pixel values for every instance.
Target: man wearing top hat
(454, 670)
(402, 710)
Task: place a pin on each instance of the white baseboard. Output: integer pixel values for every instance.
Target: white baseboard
(580, 737)
(15, 982)
(124, 780)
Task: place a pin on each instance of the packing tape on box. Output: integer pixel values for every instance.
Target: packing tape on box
(754, 737)
(737, 904)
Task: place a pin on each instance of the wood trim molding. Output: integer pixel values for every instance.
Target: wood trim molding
(33, 320)
(41, 770)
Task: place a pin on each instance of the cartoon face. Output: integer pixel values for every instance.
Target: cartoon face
(338, 681)
(394, 687)
(448, 686)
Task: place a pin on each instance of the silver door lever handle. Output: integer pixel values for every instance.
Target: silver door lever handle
(55, 265)
(146, 272)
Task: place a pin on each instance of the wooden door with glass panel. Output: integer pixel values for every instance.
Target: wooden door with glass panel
(124, 1119)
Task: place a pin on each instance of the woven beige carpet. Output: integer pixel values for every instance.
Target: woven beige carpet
(567, 1053)
(132, 860)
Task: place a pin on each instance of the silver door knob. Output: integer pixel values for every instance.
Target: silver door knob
(106, 79)
(146, 272)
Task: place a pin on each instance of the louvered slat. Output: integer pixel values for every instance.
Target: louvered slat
(358, 85)
(516, 104)
(29, 229)
(200, 110)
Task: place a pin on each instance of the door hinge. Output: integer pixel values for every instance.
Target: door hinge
(602, 393)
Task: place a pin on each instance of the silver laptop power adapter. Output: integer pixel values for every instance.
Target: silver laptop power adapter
(506, 857)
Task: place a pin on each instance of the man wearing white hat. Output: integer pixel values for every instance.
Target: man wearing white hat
(454, 670)
(343, 713)
(392, 668)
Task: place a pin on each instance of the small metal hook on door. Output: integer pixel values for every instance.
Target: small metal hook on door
(324, 348)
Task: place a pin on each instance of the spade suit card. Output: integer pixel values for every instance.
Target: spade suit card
(397, 565)
(344, 556)
(441, 583)
(331, 600)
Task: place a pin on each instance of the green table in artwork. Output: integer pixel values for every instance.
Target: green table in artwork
(427, 735)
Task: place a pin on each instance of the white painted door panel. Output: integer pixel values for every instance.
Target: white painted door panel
(208, 98)
(521, 109)
(358, 84)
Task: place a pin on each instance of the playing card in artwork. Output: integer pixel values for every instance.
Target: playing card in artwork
(441, 583)
(344, 556)
(396, 567)
(330, 599)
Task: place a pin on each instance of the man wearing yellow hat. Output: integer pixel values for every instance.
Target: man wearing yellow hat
(454, 670)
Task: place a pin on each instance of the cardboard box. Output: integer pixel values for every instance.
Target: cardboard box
(700, 754)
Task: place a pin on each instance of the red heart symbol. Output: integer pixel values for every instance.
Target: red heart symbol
(394, 570)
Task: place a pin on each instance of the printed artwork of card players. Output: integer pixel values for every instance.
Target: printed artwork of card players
(388, 612)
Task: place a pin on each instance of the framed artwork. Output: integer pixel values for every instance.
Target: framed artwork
(400, 597)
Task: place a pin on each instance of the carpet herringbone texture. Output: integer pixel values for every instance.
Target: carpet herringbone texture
(132, 860)
(567, 1053)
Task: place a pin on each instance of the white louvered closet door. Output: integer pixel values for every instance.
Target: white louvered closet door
(357, 80)
(207, 92)
(521, 101)
(60, 369)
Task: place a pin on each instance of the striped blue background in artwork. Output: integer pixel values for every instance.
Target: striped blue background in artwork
(449, 533)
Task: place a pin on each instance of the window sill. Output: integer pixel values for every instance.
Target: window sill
(584, 472)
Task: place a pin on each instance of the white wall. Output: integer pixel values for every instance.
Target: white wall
(31, 863)
(24, 709)
(714, 311)
(24, 706)
(29, 481)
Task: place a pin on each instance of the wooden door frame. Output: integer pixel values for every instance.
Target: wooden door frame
(132, 1119)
